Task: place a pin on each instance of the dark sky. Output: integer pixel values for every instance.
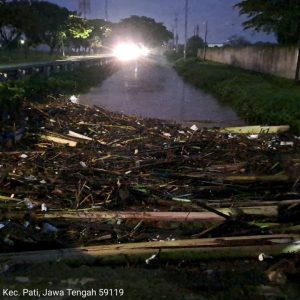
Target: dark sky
(223, 20)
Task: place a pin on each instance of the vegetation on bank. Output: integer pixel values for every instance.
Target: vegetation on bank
(38, 88)
(257, 98)
(19, 56)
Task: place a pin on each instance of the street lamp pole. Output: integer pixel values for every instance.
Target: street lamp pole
(186, 27)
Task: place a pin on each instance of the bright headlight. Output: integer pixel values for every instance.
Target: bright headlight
(127, 51)
(130, 51)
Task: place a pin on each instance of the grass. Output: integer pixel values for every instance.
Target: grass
(18, 56)
(257, 98)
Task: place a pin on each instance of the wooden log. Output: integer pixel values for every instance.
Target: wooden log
(204, 249)
(257, 129)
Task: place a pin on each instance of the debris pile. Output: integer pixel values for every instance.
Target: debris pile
(83, 176)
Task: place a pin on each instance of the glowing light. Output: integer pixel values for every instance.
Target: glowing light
(145, 51)
(130, 51)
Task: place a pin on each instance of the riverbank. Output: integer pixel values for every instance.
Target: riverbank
(18, 56)
(39, 89)
(257, 98)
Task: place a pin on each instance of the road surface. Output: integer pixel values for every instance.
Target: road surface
(150, 88)
(13, 66)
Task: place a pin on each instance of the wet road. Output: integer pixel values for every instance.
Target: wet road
(150, 88)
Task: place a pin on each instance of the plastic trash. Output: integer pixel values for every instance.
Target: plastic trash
(148, 260)
(194, 128)
(28, 203)
(74, 99)
(22, 279)
(44, 207)
(26, 224)
(83, 164)
(167, 134)
(291, 144)
(23, 156)
(48, 228)
(30, 178)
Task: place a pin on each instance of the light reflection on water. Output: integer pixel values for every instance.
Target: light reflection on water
(150, 88)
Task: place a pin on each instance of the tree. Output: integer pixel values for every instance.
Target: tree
(101, 30)
(237, 41)
(52, 22)
(281, 17)
(193, 45)
(143, 30)
(15, 20)
(77, 31)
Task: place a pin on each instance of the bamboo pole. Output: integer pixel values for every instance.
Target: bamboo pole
(203, 216)
(217, 248)
(59, 140)
(89, 215)
(252, 179)
(257, 129)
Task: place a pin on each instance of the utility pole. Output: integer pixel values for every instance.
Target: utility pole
(186, 27)
(197, 30)
(84, 7)
(106, 10)
(205, 40)
(176, 31)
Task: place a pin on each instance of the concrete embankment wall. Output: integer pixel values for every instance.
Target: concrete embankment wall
(279, 61)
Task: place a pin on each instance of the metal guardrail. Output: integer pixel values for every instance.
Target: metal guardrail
(19, 71)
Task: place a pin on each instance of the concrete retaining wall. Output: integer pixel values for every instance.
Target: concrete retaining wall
(280, 61)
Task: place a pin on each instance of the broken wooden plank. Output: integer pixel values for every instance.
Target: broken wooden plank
(257, 129)
(204, 249)
(59, 140)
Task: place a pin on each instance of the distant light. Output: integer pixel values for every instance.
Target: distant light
(130, 51)
(22, 42)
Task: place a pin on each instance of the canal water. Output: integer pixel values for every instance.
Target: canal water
(151, 88)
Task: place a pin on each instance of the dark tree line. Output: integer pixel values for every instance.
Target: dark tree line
(42, 22)
(281, 17)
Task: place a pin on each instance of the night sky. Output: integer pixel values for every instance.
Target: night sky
(223, 20)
